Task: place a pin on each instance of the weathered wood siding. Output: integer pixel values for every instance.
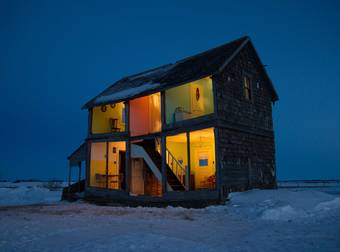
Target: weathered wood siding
(245, 127)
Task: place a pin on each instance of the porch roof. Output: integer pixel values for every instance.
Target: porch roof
(183, 71)
(78, 155)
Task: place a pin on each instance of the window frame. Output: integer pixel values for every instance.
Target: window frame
(247, 90)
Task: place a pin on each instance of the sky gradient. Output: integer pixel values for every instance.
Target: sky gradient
(56, 55)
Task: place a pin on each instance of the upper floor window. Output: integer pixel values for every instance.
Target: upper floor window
(145, 115)
(189, 101)
(247, 87)
(108, 118)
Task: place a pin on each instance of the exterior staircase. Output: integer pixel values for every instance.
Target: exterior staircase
(73, 191)
(173, 180)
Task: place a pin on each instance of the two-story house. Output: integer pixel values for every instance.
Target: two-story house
(182, 133)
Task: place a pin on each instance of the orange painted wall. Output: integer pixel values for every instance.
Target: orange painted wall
(145, 115)
(139, 111)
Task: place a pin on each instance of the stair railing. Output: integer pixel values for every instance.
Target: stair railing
(176, 167)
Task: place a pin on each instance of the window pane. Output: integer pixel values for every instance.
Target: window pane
(247, 87)
(98, 165)
(202, 159)
(108, 118)
(177, 161)
(145, 115)
(189, 101)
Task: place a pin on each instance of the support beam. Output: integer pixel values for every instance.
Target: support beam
(107, 164)
(188, 172)
(163, 145)
(218, 165)
(164, 174)
(127, 166)
(128, 148)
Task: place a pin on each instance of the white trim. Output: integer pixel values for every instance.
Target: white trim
(139, 152)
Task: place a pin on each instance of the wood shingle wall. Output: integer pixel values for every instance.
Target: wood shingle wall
(245, 127)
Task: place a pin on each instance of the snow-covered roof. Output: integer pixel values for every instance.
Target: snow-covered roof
(186, 70)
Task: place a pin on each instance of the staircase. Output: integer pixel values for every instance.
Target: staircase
(173, 180)
(72, 192)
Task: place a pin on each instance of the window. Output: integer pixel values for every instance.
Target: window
(108, 118)
(189, 101)
(107, 165)
(145, 115)
(177, 161)
(247, 87)
(202, 159)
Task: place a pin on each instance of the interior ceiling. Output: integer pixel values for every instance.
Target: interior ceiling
(205, 135)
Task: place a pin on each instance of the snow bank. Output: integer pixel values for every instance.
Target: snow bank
(283, 213)
(328, 205)
(28, 193)
(283, 204)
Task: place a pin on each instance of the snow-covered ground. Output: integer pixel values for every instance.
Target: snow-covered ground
(257, 220)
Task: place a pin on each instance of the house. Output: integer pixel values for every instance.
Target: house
(182, 133)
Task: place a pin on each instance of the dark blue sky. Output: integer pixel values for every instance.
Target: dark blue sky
(55, 55)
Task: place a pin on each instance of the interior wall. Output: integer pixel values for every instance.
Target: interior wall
(202, 158)
(98, 165)
(194, 99)
(115, 177)
(177, 146)
(145, 115)
(179, 150)
(101, 120)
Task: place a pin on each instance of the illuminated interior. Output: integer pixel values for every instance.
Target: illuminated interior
(98, 165)
(108, 118)
(202, 159)
(189, 101)
(177, 156)
(116, 165)
(145, 115)
(145, 176)
(111, 172)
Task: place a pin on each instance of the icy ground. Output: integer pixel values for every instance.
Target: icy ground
(258, 220)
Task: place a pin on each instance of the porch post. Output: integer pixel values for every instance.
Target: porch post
(79, 175)
(69, 177)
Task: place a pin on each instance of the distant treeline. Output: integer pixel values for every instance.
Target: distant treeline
(35, 180)
(311, 181)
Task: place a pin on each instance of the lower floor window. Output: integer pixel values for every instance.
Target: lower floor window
(202, 159)
(202, 168)
(107, 165)
(190, 164)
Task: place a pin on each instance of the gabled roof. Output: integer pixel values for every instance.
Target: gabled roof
(183, 71)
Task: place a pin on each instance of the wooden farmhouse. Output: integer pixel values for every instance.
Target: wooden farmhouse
(185, 133)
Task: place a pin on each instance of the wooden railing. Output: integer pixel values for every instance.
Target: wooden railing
(176, 167)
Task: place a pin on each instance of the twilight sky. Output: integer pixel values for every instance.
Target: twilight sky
(56, 55)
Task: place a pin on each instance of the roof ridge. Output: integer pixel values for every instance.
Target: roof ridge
(212, 49)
